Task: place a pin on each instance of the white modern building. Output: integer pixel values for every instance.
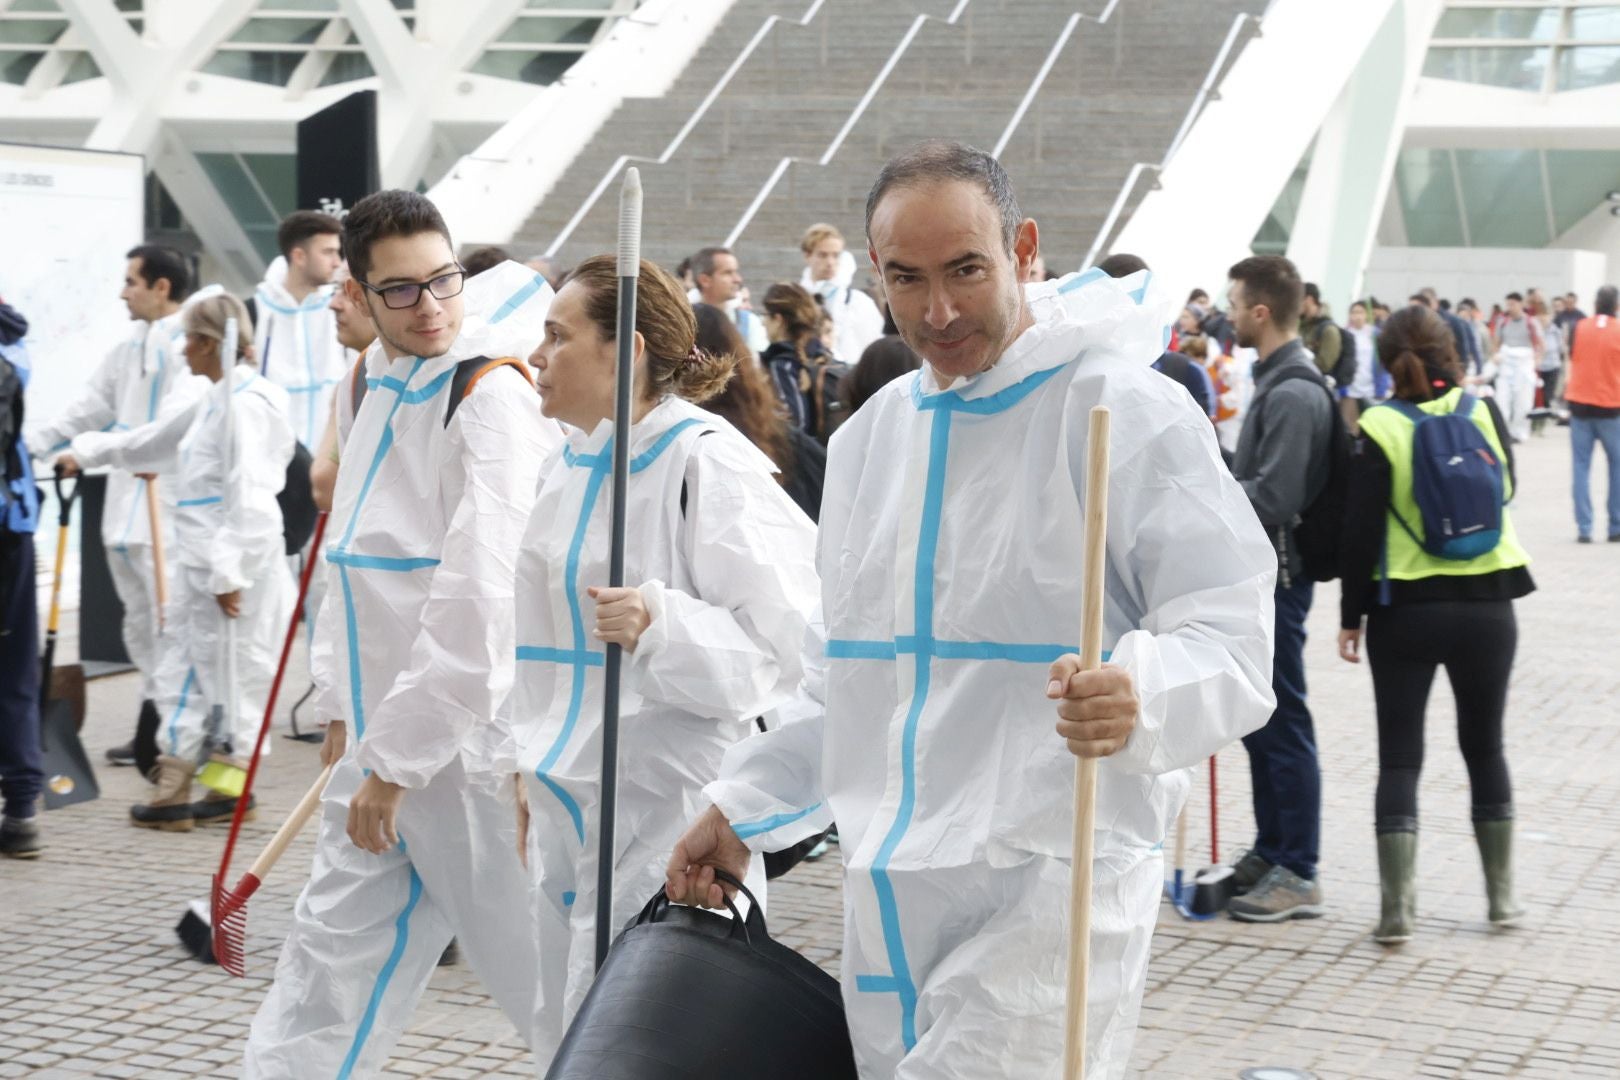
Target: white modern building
(1472, 145)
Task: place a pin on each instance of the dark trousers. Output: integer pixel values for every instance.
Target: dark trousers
(1475, 641)
(1282, 755)
(22, 773)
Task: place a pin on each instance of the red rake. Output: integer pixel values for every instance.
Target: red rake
(221, 907)
(228, 910)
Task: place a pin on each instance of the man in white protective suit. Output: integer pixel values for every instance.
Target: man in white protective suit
(829, 273)
(294, 334)
(413, 655)
(141, 377)
(950, 552)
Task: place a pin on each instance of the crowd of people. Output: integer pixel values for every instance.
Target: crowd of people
(850, 592)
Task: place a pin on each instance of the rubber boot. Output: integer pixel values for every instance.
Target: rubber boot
(1495, 839)
(145, 747)
(170, 808)
(1397, 887)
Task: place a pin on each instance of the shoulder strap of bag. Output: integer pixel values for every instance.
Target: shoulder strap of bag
(468, 372)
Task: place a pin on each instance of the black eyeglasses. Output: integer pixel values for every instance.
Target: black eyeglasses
(408, 295)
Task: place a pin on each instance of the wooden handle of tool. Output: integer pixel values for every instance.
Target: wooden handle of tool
(1181, 841)
(291, 827)
(1085, 770)
(160, 581)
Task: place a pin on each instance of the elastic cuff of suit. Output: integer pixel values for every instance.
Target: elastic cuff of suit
(1497, 812)
(1396, 823)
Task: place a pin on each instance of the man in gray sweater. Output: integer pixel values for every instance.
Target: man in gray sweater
(1283, 464)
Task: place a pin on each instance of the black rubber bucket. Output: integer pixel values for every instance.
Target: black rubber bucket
(688, 994)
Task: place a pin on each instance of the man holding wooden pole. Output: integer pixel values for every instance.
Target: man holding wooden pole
(951, 561)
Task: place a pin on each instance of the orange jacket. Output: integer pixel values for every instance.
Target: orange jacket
(1594, 367)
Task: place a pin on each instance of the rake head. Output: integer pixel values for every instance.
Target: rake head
(229, 921)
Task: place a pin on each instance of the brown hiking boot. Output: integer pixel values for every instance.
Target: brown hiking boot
(170, 808)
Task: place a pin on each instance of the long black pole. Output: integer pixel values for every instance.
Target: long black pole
(629, 271)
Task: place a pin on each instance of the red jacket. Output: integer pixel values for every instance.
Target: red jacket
(1594, 367)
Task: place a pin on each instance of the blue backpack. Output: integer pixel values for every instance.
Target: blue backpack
(1457, 482)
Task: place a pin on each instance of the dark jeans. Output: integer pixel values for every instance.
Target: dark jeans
(1474, 640)
(22, 773)
(1282, 755)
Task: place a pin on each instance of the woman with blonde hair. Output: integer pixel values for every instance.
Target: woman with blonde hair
(721, 583)
(228, 555)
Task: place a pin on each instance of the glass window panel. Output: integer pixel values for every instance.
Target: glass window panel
(1503, 197)
(1428, 196)
(274, 174)
(1595, 23)
(545, 30)
(1516, 68)
(530, 67)
(1588, 65)
(128, 5)
(31, 31)
(35, 5)
(1521, 24)
(274, 68)
(15, 66)
(299, 5)
(280, 31)
(80, 68)
(1581, 180)
(579, 5)
(347, 67)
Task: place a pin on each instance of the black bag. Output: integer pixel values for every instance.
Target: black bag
(687, 994)
(1320, 528)
(297, 501)
(1344, 372)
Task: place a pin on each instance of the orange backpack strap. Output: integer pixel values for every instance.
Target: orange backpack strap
(468, 372)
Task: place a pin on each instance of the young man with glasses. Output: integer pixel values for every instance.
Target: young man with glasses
(413, 655)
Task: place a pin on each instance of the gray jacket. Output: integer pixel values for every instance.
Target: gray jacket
(1282, 452)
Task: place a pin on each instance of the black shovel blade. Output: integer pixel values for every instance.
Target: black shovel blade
(68, 776)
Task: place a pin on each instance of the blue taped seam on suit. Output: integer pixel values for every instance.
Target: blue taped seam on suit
(400, 565)
(544, 654)
(775, 821)
(943, 406)
(208, 500)
(402, 934)
(600, 464)
(517, 299)
(174, 718)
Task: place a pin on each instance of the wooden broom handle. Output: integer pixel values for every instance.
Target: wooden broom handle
(160, 581)
(1085, 769)
(291, 827)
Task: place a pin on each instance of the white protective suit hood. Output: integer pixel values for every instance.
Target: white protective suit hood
(950, 581)
(296, 346)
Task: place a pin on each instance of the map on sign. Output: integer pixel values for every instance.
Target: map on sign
(70, 216)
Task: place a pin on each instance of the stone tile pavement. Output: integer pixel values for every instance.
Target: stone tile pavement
(93, 983)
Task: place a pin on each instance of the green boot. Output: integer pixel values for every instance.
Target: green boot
(1397, 886)
(1495, 840)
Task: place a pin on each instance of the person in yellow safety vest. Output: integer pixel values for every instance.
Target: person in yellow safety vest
(1425, 611)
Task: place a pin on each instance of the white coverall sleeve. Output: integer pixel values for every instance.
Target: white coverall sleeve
(95, 410)
(151, 447)
(731, 652)
(770, 784)
(324, 650)
(462, 659)
(240, 553)
(1196, 574)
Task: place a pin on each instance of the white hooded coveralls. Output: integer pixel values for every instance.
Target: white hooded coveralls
(415, 651)
(223, 544)
(857, 322)
(950, 552)
(298, 349)
(730, 583)
(130, 388)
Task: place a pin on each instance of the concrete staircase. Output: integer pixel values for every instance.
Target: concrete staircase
(1115, 96)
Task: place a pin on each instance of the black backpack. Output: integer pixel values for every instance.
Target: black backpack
(1320, 528)
(297, 501)
(1344, 372)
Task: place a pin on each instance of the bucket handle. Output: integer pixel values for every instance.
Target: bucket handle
(743, 927)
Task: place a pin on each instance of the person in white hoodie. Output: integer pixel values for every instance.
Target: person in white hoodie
(132, 386)
(294, 336)
(413, 655)
(938, 726)
(829, 273)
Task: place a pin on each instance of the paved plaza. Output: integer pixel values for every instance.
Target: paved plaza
(95, 983)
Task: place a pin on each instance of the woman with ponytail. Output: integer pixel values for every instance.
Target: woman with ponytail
(806, 375)
(721, 578)
(1424, 611)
